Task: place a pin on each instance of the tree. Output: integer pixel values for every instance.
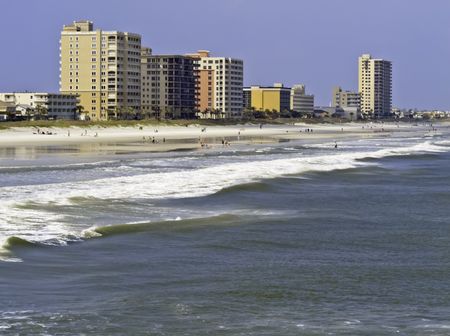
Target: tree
(41, 111)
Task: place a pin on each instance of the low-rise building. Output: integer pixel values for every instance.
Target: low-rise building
(341, 98)
(300, 101)
(7, 110)
(50, 105)
(268, 98)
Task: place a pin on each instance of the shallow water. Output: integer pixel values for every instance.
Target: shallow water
(282, 239)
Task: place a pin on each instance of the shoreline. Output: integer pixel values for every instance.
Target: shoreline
(150, 138)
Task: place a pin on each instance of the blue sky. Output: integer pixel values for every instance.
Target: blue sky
(314, 42)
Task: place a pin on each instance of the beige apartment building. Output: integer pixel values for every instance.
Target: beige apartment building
(219, 85)
(341, 98)
(103, 68)
(375, 86)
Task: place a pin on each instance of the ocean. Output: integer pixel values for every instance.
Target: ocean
(289, 238)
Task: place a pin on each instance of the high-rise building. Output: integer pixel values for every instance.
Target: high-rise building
(341, 98)
(375, 86)
(300, 101)
(103, 68)
(219, 85)
(168, 85)
(268, 98)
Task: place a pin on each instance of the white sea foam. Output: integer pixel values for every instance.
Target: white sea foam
(22, 211)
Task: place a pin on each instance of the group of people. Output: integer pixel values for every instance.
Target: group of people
(152, 139)
(44, 132)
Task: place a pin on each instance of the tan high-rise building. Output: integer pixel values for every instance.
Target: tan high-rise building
(375, 86)
(219, 85)
(103, 68)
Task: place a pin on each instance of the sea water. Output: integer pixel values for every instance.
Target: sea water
(292, 238)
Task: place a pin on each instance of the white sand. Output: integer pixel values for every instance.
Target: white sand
(193, 135)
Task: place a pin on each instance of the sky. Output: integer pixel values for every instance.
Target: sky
(313, 42)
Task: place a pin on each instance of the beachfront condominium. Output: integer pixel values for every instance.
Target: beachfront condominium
(375, 86)
(167, 86)
(341, 98)
(42, 104)
(219, 85)
(268, 98)
(103, 68)
(300, 101)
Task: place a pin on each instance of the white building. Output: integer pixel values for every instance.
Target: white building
(53, 105)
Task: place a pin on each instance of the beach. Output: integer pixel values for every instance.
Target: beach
(166, 138)
(301, 229)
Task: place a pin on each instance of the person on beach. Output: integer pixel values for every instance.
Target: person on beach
(68, 133)
(335, 145)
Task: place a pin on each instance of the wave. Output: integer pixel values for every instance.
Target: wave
(28, 211)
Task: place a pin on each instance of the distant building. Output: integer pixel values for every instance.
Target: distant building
(53, 105)
(375, 86)
(349, 113)
(271, 98)
(342, 98)
(300, 101)
(7, 110)
(102, 67)
(168, 85)
(219, 85)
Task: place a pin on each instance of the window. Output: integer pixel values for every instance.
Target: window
(93, 73)
(94, 38)
(93, 66)
(94, 45)
(94, 52)
(94, 59)
(93, 87)
(93, 80)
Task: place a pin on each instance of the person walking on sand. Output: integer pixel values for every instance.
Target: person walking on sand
(335, 145)
(68, 133)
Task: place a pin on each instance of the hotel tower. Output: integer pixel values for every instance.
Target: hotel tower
(103, 68)
(375, 86)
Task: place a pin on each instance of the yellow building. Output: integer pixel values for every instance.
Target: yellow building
(103, 68)
(273, 98)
